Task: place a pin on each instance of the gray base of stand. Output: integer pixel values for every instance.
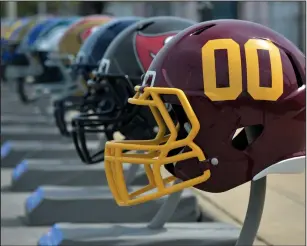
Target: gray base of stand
(16, 151)
(15, 157)
(39, 137)
(49, 205)
(19, 109)
(24, 120)
(18, 123)
(23, 132)
(30, 174)
(200, 234)
(27, 132)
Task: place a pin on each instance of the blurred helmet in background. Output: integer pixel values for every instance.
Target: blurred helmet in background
(47, 43)
(87, 60)
(61, 57)
(47, 35)
(124, 62)
(72, 39)
(33, 34)
(17, 67)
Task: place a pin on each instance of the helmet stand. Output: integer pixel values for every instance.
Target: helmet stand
(171, 233)
(166, 211)
(95, 200)
(132, 173)
(252, 217)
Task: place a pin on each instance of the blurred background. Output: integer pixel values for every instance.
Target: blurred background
(288, 18)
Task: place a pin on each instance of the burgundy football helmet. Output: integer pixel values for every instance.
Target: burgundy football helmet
(237, 94)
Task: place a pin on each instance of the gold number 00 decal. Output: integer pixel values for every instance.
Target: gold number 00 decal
(235, 70)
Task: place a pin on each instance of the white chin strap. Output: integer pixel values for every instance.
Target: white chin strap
(290, 166)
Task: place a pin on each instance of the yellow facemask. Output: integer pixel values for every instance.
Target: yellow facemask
(155, 151)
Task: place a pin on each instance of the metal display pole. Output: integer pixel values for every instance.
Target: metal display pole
(132, 172)
(166, 211)
(252, 218)
(254, 213)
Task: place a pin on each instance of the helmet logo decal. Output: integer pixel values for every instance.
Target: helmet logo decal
(83, 35)
(147, 47)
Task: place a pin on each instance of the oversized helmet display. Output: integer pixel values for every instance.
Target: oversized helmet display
(33, 34)
(229, 99)
(72, 39)
(47, 43)
(17, 67)
(8, 45)
(125, 61)
(19, 33)
(32, 66)
(84, 35)
(16, 28)
(9, 26)
(70, 43)
(46, 37)
(15, 35)
(87, 60)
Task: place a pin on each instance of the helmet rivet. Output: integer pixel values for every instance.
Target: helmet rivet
(214, 161)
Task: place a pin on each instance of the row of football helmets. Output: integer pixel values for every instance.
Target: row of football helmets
(216, 103)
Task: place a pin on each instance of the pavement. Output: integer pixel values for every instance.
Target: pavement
(284, 215)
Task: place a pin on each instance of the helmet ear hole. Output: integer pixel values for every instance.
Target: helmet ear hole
(246, 136)
(298, 74)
